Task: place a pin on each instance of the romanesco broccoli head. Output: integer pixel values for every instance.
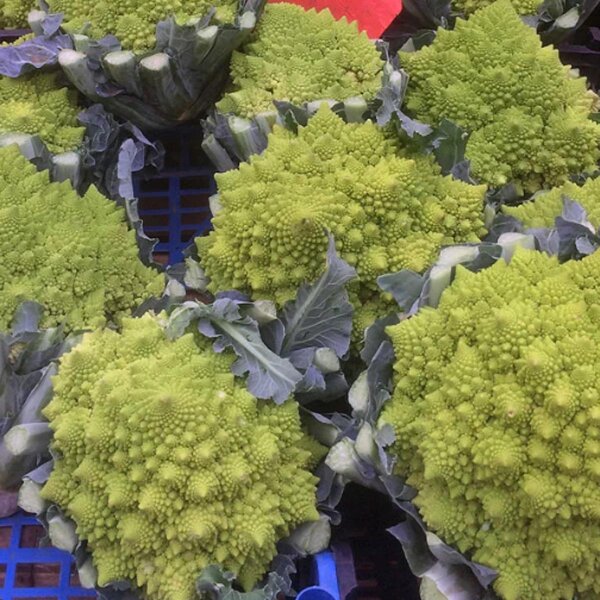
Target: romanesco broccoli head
(544, 208)
(37, 104)
(527, 115)
(385, 212)
(134, 22)
(168, 464)
(496, 411)
(468, 7)
(299, 56)
(13, 13)
(75, 256)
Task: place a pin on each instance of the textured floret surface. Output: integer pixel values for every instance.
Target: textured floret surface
(544, 208)
(38, 104)
(300, 56)
(385, 212)
(496, 411)
(74, 255)
(468, 7)
(134, 22)
(168, 464)
(13, 13)
(527, 114)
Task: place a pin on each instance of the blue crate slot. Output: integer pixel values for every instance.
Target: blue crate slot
(324, 574)
(174, 203)
(13, 556)
(323, 571)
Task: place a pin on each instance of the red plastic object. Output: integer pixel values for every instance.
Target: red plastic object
(373, 16)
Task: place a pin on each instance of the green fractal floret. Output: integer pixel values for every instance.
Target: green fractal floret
(75, 256)
(37, 104)
(543, 210)
(385, 212)
(523, 7)
(299, 56)
(168, 464)
(526, 112)
(134, 23)
(13, 13)
(497, 417)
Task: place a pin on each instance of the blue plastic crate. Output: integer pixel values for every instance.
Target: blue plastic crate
(173, 204)
(324, 574)
(15, 558)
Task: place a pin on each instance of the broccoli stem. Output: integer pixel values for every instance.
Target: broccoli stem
(88, 576)
(36, 18)
(326, 361)
(205, 40)
(12, 467)
(227, 40)
(122, 68)
(30, 146)
(512, 240)
(246, 137)
(75, 66)
(265, 121)
(214, 203)
(66, 165)
(439, 279)
(217, 154)
(30, 499)
(28, 438)
(355, 109)
(81, 42)
(158, 82)
(342, 460)
(62, 533)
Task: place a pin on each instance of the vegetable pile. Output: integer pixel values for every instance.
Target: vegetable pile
(400, 289)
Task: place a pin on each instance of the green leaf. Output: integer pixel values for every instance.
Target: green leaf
(449, 145)
(225, 321)
(217, 584)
